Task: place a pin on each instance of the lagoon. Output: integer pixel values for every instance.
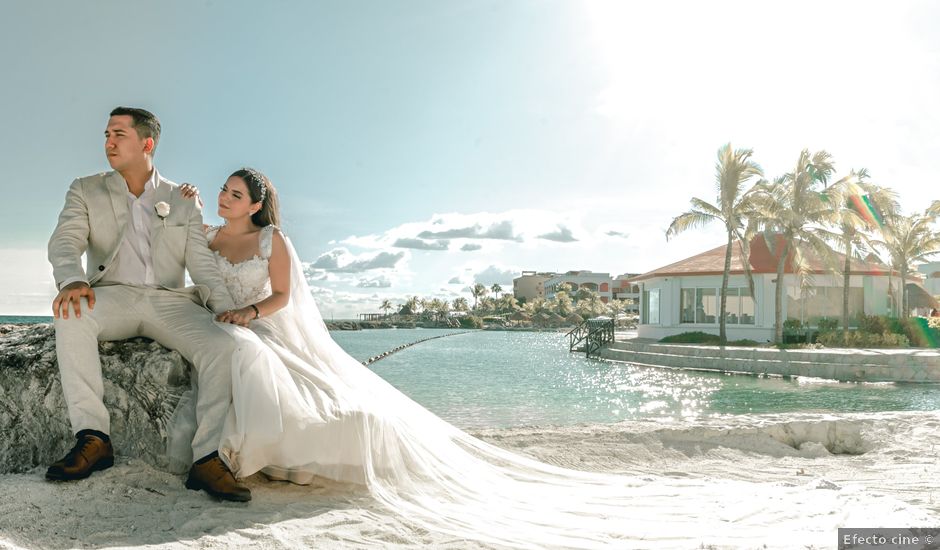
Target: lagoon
(493, 379)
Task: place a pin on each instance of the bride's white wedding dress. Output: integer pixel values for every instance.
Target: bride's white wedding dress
(302, 407)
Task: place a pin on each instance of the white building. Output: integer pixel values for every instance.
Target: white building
(684, 296)
(624, 289)
(931, 272)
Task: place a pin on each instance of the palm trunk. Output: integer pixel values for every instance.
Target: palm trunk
(905, 309)
(845, 289)
(723, 304)
(894, 295)
(778, 293)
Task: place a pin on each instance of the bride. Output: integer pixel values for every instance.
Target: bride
(302, 407)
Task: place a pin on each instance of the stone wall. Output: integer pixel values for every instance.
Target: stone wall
(142, 381)
(913, 365)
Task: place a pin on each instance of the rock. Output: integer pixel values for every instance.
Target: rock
(142, 384)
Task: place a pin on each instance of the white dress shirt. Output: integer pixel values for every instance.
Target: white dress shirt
(133, 264)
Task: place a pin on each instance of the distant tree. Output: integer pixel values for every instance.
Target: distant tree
(496, 289)
(478, 291)
(386, 305)
(460, 304)
(562, 303)
(582, 294)
(910, 239)
(412, 305)
(508, 303)
(424, 304)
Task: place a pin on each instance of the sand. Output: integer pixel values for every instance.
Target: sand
(775, 481)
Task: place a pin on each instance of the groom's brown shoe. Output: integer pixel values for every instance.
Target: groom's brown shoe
(213, 476)
(92, 452)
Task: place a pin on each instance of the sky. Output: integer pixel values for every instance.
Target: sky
(420, 147)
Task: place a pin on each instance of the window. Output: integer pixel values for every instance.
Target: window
(654, 306)
(650, 313)
(700, 306)
(739, 307)
(811, 304)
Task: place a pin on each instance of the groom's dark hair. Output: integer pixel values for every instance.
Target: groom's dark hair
(146, 123)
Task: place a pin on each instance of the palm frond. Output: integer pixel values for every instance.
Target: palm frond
(688, 220)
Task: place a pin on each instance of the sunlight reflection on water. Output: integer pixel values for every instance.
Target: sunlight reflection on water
(500, 379)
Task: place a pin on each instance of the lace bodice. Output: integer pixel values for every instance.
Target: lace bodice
(248, 281)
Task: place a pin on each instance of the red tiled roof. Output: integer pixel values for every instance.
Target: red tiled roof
(712, 262)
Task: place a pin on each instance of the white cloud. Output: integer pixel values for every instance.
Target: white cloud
(420, 244)
(562, 235)
(502, 230)
(342, 261)
(376, 282)
(494, 274)
(470, 247)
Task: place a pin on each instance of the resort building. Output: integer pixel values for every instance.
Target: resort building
(624, 289)
(600, 283)
(684, 296)
(931, 273)
(530, 285)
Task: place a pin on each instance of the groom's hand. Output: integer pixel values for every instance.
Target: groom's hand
(72, 293)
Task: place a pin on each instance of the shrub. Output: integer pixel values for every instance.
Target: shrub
(874, 324)
(827, 324)
(919, 332)
(792, 325)
(696, 337)
(744, 342)
(471, 321)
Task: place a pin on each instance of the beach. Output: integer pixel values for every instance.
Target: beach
(749, 481)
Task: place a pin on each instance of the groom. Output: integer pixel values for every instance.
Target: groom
(139, 234)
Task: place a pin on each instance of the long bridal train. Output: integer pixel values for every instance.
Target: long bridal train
(303, 407)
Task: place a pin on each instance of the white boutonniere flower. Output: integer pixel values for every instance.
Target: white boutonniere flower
(163, 210)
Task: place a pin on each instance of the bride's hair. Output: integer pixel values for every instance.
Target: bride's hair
(261, 190)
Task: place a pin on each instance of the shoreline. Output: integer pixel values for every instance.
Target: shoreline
(703, 483)
(905, 365)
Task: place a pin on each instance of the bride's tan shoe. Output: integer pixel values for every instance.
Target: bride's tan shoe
(213, 476)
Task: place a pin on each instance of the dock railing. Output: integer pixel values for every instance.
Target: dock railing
(591, 335)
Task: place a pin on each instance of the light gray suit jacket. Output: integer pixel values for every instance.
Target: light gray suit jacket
(93, 221)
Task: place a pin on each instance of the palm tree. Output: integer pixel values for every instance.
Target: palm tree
(508, 303)
(386, 305)
(496, 289)
(860, 207)
(910, 239)
(795, 209)
(460, 304)
(478, 291)
(412, 305)
(732, 171)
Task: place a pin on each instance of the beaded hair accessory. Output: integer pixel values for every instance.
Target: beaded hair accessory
(257, 178)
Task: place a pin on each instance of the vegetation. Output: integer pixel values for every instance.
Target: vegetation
(732, 172)
(698, 337)
(496, 310)
(802, 211)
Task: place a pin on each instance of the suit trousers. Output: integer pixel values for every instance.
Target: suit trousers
(170, 318)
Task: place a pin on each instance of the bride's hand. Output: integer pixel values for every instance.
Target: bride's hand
(240, 317)
(189, 191)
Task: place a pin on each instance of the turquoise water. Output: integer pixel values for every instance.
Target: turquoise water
(25, 319)
(504, 379)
